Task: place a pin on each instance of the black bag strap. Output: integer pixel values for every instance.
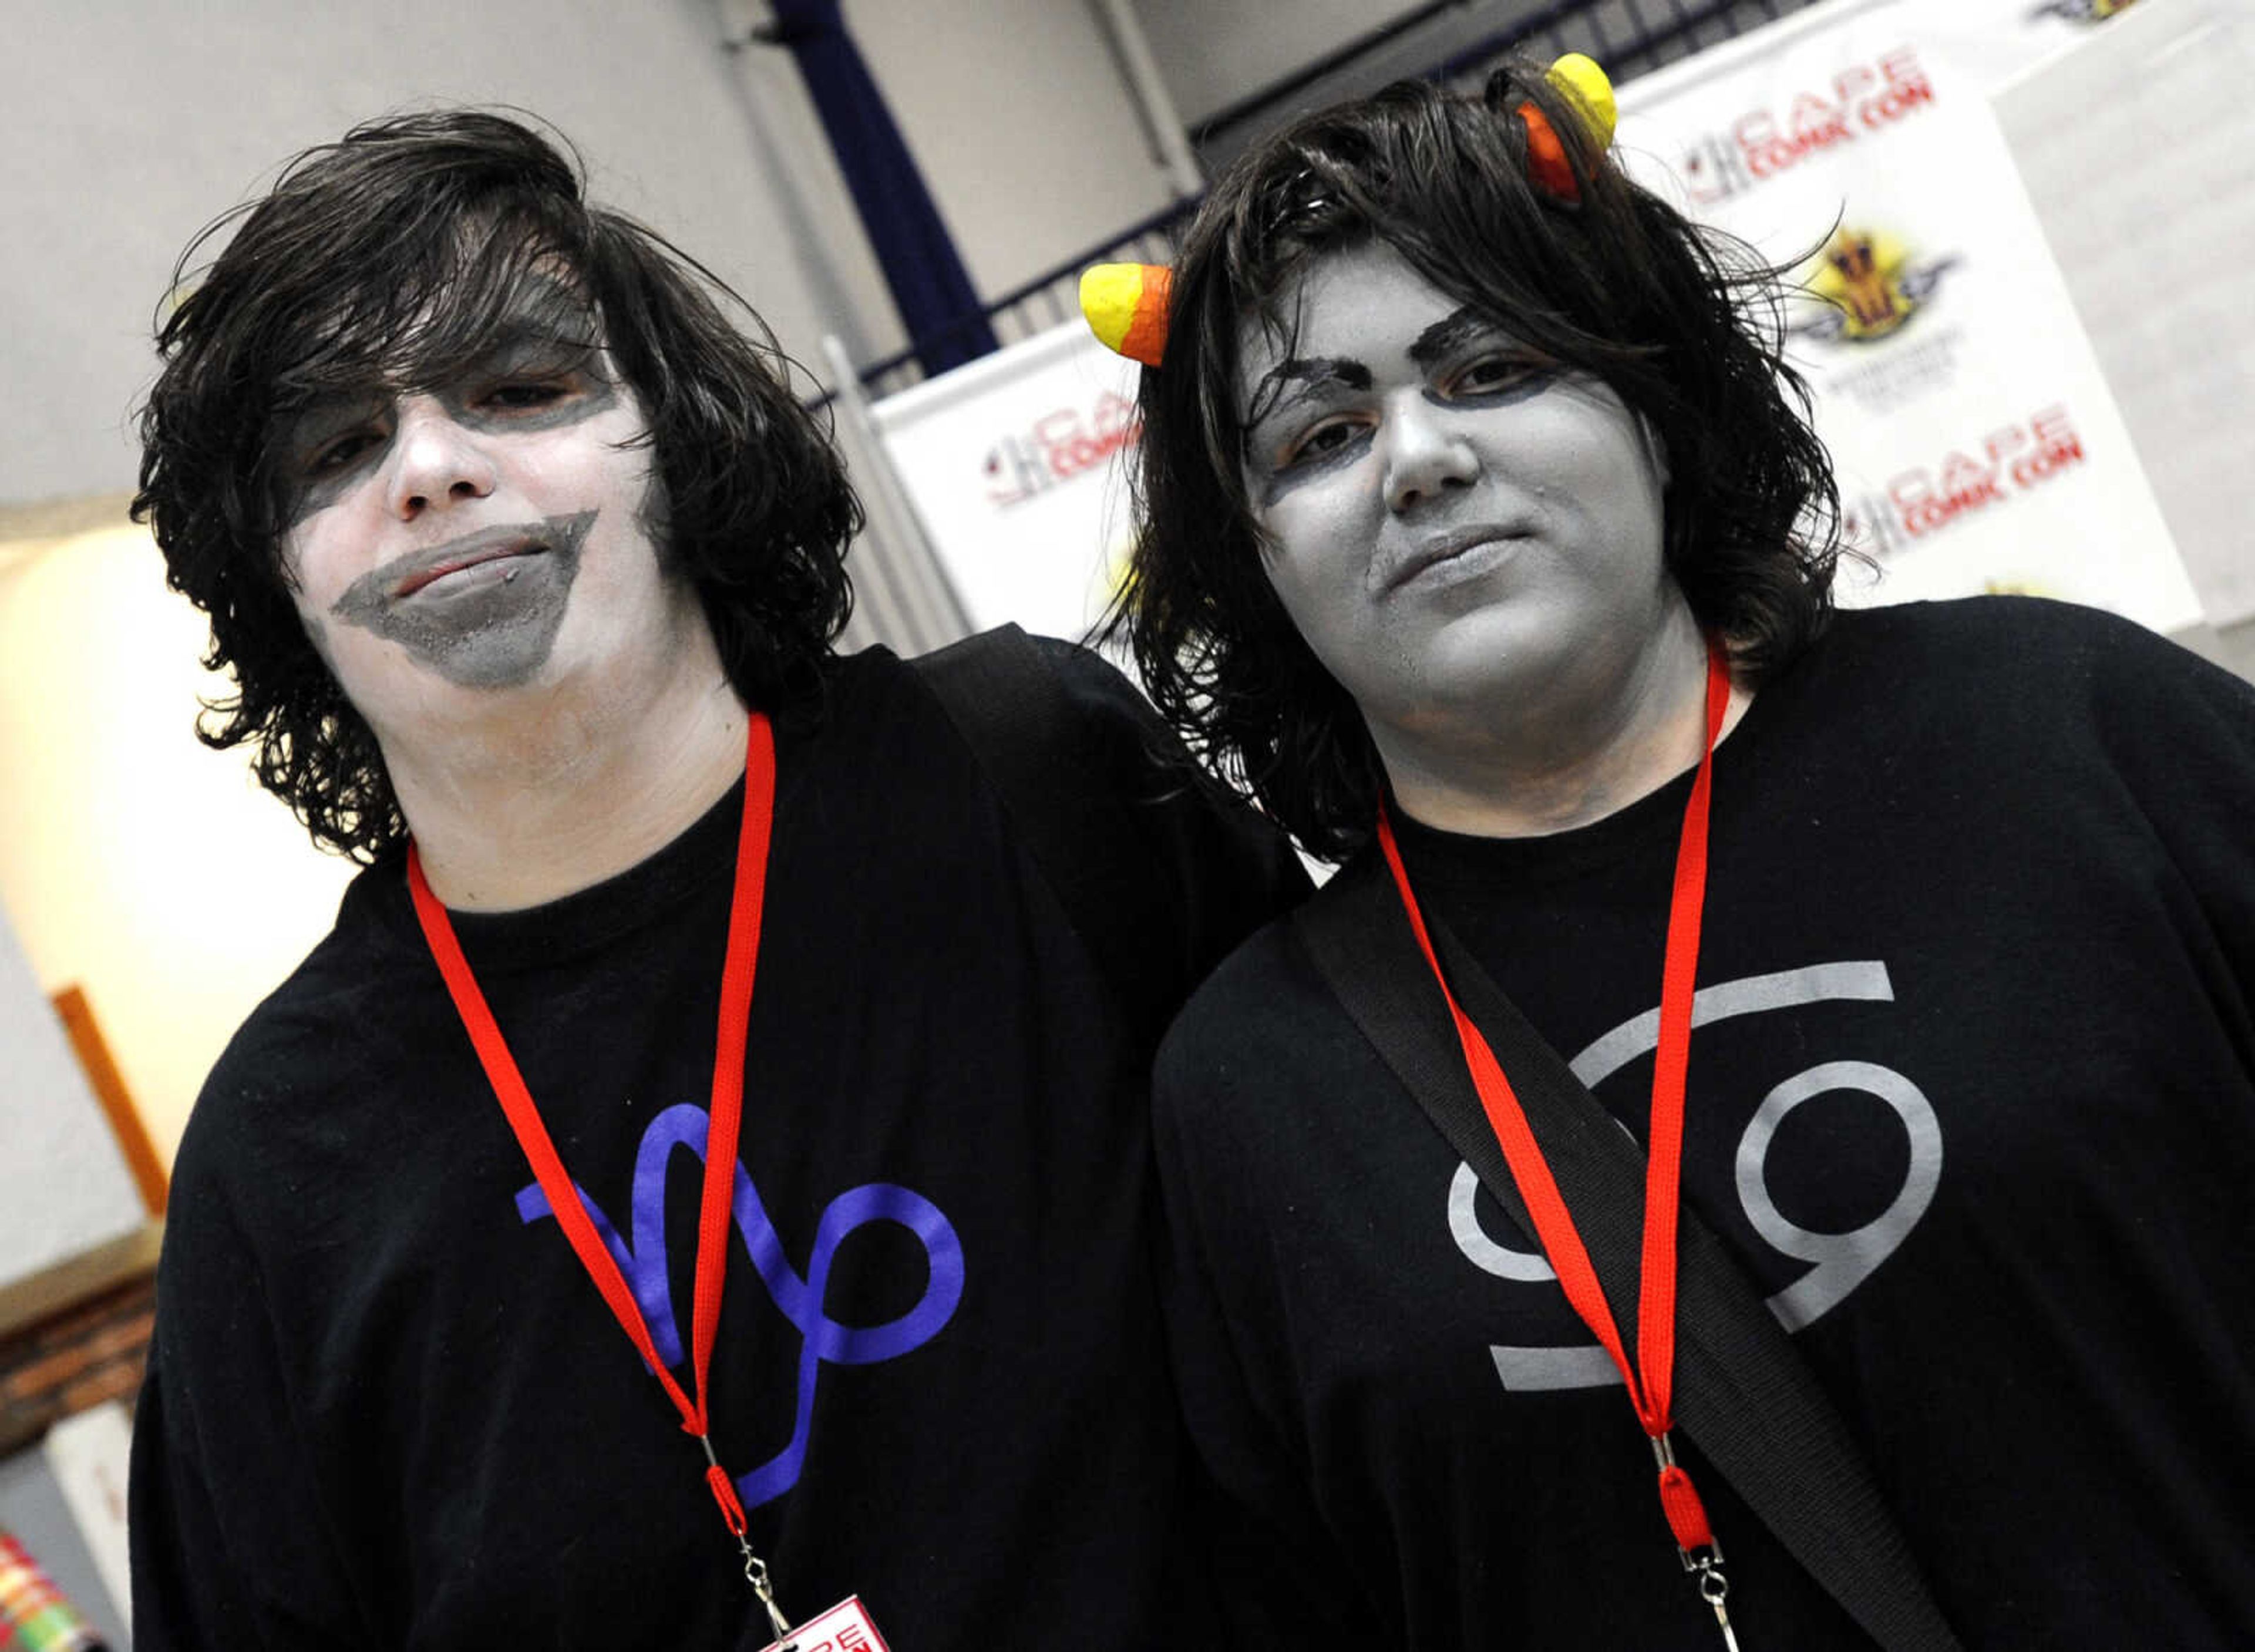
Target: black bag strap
(1742, 1391)
(1012, 711)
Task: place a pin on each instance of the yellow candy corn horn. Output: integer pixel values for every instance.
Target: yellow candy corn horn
(1586, 90)
(1586, 87)
(1125, 305)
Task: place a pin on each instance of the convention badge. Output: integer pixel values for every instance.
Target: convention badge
(845, 1628)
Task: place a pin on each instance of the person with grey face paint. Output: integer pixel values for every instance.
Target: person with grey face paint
(527, 564)
(1485, 541)
(492, 632)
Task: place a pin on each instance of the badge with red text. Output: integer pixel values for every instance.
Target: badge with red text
(845, 1628)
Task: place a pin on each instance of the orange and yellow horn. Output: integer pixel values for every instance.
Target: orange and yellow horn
(1125, 305)
(1584, 85)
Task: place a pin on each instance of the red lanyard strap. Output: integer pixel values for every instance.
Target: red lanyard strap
(722, 1125)
(1651, 1392)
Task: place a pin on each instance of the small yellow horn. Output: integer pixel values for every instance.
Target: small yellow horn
(1584, 85)
(1125, 305)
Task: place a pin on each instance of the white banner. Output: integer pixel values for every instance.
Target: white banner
(1990, 42)
(2138, 148)
(1013, 466)
(1977, 444)
(64, 1185)
(87, 1455)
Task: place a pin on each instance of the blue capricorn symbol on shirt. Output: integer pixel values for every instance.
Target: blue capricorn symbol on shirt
(800, 1298)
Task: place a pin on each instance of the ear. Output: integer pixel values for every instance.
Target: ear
(1656, 446)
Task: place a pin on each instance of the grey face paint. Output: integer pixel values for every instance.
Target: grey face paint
(525, 383)
(1461, 334)
(482, 610)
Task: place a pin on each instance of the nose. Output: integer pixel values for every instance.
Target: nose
(435, 460)
(1425, 454)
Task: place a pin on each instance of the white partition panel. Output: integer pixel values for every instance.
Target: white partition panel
(64, 1187)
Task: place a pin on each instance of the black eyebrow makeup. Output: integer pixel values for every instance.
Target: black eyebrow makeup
(1451, 332)
(1298, 380)
(1311, 376)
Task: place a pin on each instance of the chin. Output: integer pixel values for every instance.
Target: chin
(1491, 654)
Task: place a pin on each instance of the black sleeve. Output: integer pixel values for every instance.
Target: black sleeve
(230, 1546)
(2096, 701)
(2181, 732)
(1281, 1574)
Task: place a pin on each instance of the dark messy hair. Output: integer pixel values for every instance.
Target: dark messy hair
(1684, 326)
(388, 257)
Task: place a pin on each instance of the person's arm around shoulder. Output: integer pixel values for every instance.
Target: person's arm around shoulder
(1228, 868)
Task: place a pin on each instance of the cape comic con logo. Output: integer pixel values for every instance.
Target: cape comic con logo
(1057, 447)
(1860, 101)
(1867, 284)
(1970, 480)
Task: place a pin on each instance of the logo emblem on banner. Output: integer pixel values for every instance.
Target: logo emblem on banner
(1976, 441)
(1863, 99)
(2081, 11)
(1869, 286)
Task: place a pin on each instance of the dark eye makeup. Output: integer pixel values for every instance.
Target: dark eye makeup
(338, 453)
(1500, 378)
(526, 393)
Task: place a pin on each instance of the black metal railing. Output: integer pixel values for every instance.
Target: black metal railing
(1632, 45)
(1048, 299)
(1629, 37)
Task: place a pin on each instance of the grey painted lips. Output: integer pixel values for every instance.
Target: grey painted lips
(482, 610)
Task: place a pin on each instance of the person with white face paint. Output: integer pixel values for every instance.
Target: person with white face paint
(697, 1195)
(1485, 544)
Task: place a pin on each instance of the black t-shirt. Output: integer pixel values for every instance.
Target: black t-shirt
(387, 1408)
(1969, 1098)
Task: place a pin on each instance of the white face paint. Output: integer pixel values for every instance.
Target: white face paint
(1467, 534)
(490, 535)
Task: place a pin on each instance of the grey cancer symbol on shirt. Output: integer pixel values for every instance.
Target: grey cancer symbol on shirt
(1841, 1261)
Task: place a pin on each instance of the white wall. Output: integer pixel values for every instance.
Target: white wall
(1020, 122)
(1213, 54)
(125, 127)
(2179, 352)
(64, 1187)
(134, 862)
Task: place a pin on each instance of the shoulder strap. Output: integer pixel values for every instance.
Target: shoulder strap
(1743, 1393)
(1012, 712)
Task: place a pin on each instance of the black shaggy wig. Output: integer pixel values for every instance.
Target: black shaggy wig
(1683, 325)
(385, 259)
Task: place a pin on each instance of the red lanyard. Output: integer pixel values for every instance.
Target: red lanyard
(1554, 1223)
(721, 1128)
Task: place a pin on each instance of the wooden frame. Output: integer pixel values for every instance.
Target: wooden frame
(109, 1086)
